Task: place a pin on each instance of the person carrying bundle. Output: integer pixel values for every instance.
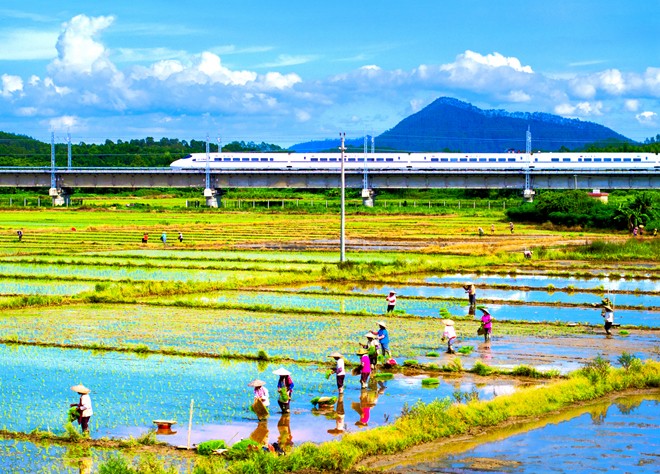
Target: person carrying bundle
(84, 406)
(284, 389)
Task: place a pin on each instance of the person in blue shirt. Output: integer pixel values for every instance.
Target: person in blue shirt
(383, 338)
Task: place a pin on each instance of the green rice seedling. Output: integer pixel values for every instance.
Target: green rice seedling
(466, 349)
(454, 366)
(242, 449)
(526, 371)
(624, 332)
(207, 447)
(432, 354)
(384, 376)
(410, 363)
(481, 369)
(430, 381)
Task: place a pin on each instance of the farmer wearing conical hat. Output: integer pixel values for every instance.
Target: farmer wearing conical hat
(284, 389)
(449, 334)
(383, 338)
(339, 370)
(486, 323)
(365, 367)
(471, 290)
(84, 406)
(261, 399)
(608, 314)
(372, 347)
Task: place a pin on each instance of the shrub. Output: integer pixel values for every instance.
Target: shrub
(242, 449)
(526, 371)
(481, 369)
(262, 355)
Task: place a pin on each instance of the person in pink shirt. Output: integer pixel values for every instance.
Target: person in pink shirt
(391, 301)
(365, 369)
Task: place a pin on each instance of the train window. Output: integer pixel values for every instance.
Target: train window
(351, 159)
(333, 159)
(482, 160)
(380, 159)
(472, 160)
(556, 160)
(587, 160)
(597, 160)
(566, 160)
(462, 160)
(371, 160)
(265, 159)
(444, 160)
(255, 159)
(314, 159)
(453, 160)
(324, 159)
(434, 159)
(501, 160)
(617, 160)
(245, 159)
(236, 159)
(637, 159)
(227, 159)
(492, 160)
(607, 160)
(188, 156)
(217, 159)
(389, 159)
(511, 160)
(627, 160)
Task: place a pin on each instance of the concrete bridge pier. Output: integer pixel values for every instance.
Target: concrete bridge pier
(368, 197)
(528, 195)
(211, 198)
(61, 197)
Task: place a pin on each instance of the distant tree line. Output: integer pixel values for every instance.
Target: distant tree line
(576, 208)
(21, 150)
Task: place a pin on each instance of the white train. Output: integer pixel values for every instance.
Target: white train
(418, 161)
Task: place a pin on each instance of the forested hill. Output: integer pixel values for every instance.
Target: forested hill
(21, 150)
(451, 125)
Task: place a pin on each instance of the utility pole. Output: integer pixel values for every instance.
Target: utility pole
(342, 243)
(68, 150)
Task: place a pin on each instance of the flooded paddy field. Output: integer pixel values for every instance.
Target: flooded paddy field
(615, 436)
(129, 391)
(30, 286)
(238, 332)
(424, 306)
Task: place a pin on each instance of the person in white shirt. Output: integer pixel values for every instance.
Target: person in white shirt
(391, 301)
(450, 335)
(339, 370)
(84, 406)
(608, 314)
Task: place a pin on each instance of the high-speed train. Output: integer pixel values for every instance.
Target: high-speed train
(418, 161)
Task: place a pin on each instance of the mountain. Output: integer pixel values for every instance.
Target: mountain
(449, 124)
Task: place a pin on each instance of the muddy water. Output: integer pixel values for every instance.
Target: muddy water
(623, 436)
(129, 392)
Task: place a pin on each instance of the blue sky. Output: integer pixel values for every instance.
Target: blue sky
(287, 72)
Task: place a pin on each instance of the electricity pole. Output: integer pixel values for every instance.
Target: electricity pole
(342, 243)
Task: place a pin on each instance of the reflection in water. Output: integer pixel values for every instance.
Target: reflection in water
(598, 414)
(340, 414)
(285, 440)
(368, 400)
(260, 434)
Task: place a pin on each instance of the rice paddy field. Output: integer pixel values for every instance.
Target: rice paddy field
(150, 327)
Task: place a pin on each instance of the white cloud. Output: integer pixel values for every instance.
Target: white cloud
(631, 105)
(65, 122)
(612, 81)
(10, 85)
(280, 81)
(647, 118)
(212, 71)
(581, 109)
(303, 116)
(78, 51)
(519, 96)
(471, 61)
(285, 60)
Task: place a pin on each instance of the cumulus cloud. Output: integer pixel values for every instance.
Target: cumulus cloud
(632, 105)
(77, 49)
(519, 96)
(64, 122)
(470, 61)
(10, 85)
